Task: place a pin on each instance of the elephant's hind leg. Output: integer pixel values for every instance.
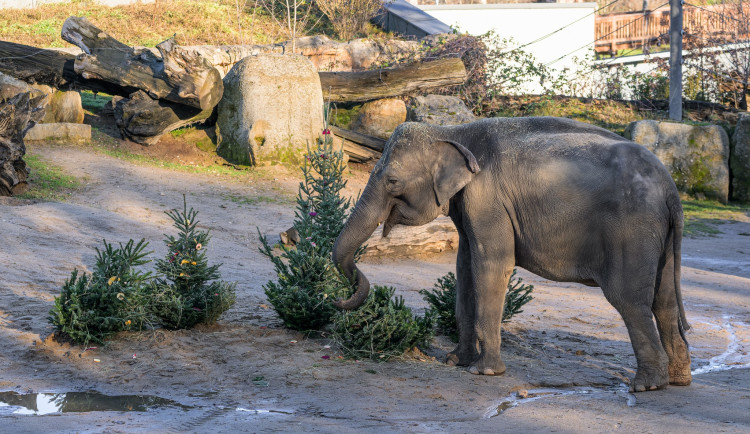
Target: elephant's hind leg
(629, 287)
(667, 315)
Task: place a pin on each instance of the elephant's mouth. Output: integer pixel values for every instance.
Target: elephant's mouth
(401, 214)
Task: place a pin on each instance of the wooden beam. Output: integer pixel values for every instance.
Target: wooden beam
(371, 142)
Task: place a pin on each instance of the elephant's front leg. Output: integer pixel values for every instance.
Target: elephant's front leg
(491, 277)
(467, 349)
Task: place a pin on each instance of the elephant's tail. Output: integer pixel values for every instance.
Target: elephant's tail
(676, 225)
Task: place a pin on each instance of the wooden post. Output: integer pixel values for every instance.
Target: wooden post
(675, 60)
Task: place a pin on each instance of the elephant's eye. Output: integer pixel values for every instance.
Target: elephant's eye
(393, 186)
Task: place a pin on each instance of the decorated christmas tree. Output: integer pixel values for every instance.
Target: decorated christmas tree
(188, 290)
(308, 281)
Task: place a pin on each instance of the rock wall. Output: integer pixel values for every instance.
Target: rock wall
(739, 161)
(696, 156)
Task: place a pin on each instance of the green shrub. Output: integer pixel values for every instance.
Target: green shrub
(381, 328)
(442, 302)
(118, 296)
(187, 291)
(93, 307)
(308, 281)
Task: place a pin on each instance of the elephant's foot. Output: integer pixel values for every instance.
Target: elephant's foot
(679, 373)
(649, 379)
(459, 358)
(483, 368)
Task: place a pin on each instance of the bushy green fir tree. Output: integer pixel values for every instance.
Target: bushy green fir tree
(93, 307)
(442, 302)
(308, 281)
(383, 327)
(187, 290)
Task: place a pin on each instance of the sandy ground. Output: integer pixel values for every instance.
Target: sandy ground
(569, 349)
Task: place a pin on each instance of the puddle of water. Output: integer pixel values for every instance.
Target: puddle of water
(536, 394)
(74, 402)
(734, 357)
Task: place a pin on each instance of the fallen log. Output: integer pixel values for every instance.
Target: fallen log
(179, 75)
(36, 65)
(17, 115)
(359, 154)
(387, 83)
(409, 241)
(144, 120)
(371, 142)
(50, 67)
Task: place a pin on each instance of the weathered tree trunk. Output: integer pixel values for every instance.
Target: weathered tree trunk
(408, 241)
(387, 83)
(374, 143)
(179, 76)
(144, 120)
(17, 115)
(50, 67)
(36, 65)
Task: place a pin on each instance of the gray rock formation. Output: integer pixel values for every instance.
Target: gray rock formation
(379, 118)
(439, 110)
(272, 108)
(739, 161)
(696, 156)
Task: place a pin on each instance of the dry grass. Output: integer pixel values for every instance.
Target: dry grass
(195, 22)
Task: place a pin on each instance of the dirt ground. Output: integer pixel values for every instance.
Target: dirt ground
(569, 348)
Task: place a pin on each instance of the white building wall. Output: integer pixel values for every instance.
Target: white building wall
(526, 22)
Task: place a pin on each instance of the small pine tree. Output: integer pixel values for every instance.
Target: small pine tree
(442, 302)
(383, 327)
(308, 281)
(188, 291)
(91, 308)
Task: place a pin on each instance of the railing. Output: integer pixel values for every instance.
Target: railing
(619, 31)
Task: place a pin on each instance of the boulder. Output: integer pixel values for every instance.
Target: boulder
(272, 107)
(61, 106)
(696, 156)
(439, 110)
(67, 132)
(379, 118)
(739, 161)
(64, 107)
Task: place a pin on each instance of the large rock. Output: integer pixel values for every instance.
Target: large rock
(696, 156)
(64, 107)
(379, 118)
(272, 106)
(739, 160)
(65, 132)
(439, 110)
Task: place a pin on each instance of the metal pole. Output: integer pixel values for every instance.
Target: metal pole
(675, 59)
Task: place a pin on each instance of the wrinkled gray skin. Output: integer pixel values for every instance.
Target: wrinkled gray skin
(565, 200)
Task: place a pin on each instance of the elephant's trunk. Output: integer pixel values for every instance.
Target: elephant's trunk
(367, 214)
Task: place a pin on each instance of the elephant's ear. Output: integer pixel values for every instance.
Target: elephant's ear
(455, 167)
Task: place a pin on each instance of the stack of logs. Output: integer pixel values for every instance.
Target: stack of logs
(155, 93)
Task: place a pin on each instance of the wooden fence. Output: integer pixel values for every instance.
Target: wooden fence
(634, 29)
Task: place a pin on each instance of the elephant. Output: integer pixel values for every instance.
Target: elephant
(565, 200)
